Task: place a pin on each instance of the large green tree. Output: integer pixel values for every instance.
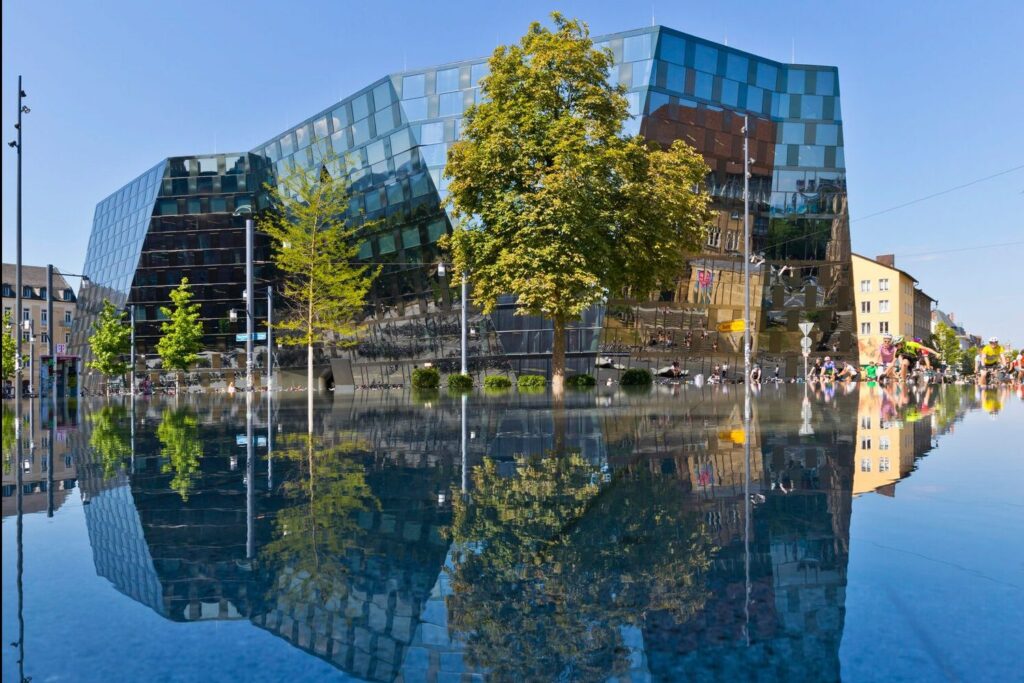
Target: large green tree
(947, 343)
(182, 332)
(555, 204)
(110, 342)
(315, 249)
(9, 348)
(181, 448)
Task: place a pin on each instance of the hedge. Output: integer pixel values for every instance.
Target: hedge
(497, 382)
(580, 381)
(635, 377)
(531, 382)
(426, 378)
(460, 382)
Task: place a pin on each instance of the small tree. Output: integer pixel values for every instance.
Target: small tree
(947, 344)
(111, 339)
(567, 207)
(9, 348)
(182, 338)
(315, 250)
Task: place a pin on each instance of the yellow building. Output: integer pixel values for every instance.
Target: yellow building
(885, 299)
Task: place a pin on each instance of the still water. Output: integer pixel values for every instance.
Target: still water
(850, 535)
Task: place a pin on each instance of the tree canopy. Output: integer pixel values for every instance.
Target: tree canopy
(557, 206)
(181, 448)
(182, 338)
(110, 341)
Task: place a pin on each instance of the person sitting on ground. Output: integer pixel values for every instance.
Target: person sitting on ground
(829, 369)
(675, 370)
(817, 370)
(848, 373)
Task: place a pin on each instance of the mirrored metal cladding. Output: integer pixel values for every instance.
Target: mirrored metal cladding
(391, 140)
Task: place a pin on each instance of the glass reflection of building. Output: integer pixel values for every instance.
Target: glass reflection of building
(175, 220)
(775, 585)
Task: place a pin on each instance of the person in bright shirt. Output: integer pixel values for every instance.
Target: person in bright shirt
(991, 358)
(829, 369)
(887, 357)
(911, 351)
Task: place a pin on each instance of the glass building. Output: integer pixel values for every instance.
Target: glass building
(391, 140)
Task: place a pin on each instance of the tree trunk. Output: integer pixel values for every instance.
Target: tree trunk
(309, 388)
(558, 357)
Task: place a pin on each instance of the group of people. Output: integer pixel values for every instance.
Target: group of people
(994, 363)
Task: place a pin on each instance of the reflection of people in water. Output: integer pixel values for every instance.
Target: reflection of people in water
(990, 402)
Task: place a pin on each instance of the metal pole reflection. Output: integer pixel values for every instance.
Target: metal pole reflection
(465, 474)
(250, 476)
(270, 444)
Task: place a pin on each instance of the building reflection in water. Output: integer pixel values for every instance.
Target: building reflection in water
(607, 540)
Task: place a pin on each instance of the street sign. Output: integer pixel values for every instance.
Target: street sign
(257, 336)
(241, 440)
(60, 349)
(806, 352)
(806, 328)
(731, 326)
(805, 343)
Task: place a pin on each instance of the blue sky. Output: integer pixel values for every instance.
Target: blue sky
(932, 95)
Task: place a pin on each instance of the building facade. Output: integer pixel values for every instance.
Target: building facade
(35, 312)
(887, 302)
(391, 139)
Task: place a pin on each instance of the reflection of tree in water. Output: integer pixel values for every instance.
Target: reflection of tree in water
(313, 534)
(553, 566)
(8, 438)
(111, 438)
(181, 448)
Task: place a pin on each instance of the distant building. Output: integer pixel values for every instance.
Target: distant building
(887, 301)
(949, 320)
(34, 310)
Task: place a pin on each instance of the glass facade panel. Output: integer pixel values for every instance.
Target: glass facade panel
(415, 110)
(673, 49)
(361, 107)
(826, 83)
(450, 104)
(635, 48)
(811, 107)
(730, 92)
(447, 80)
(796, 81)
(414, 86)
(736, 67)
(702, 85)
(827, 134)
(705, 58)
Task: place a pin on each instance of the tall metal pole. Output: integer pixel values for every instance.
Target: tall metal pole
(50, 326)
(132, 362)
(746, 254)
(270, 340)
(463, 322)
(49, 452)
(463, 445)
(17, 269)
(248, 303)
(250, 483)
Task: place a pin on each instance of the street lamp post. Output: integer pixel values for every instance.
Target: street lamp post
(30, 328)
(270, 339)
(463, 316)
(248, 303)
(132, 362)
(17, 145)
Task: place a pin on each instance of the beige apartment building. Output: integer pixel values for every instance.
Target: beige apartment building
(887, 300)
(34, 340)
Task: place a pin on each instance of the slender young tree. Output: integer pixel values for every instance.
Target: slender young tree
(182, 338)
(946, 343)
(110, 341)
(9, 348)
(314, 249)
(556, 205)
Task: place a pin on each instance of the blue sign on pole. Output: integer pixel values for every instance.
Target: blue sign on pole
(257, 336)
(240, 337)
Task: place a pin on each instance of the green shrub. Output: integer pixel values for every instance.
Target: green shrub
(531, 382)
(425, 396)
(460, 382)
(497, 382)
(426, 378)
(635, 377)
(580, 381)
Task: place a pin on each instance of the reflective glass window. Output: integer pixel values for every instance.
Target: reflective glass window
(450, 104)
(385, 120)
(320, 128)
(447, 80)
(382, 95)
(705, 58)
(302, 136)
(168, 207)
(703, 84)
(673, 49)
(372, 201)
(633, 98)
(796, 82)
(736, 67)
(792, 133)
(826, 84)
(411, 237)
(287, 144)
(675, 78)
(431, 133)
(434, 155)
(401, 141)
(414, 86)
(419, 184)
(840, 157)
(755, 99)
(780, 105)
(476, 72)
(730, 92)
(436, 229)
(656, 101)
(218, 205)
(811, 155)
(827, 134)
(339, 141)
(339, 118)
(386, 244)
(415, 110)
(366, 250)
(636, 47)
(811, 107)
(396, 194)
(642, 73)
(375, 152)
(767, 76)
(361, 107)
(360, 132)
(207, 166)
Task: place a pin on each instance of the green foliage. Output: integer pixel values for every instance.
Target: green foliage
(425, 396)
(555, 206)
(497, 382)
(111, 437)
(110, 341)
(314, 250)
(8, 438)
(318, 527)
(551, 563)
(426, 378)
(181, 448)
(948, 345)
(9, 347)
(531, 382)
(636, 377)
(460, 382)
(581, 381)
(967, 360)
(182, 338)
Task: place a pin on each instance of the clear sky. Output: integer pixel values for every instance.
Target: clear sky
(932, 98)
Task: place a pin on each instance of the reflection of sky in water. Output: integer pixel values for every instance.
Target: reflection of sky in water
(372, 580)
